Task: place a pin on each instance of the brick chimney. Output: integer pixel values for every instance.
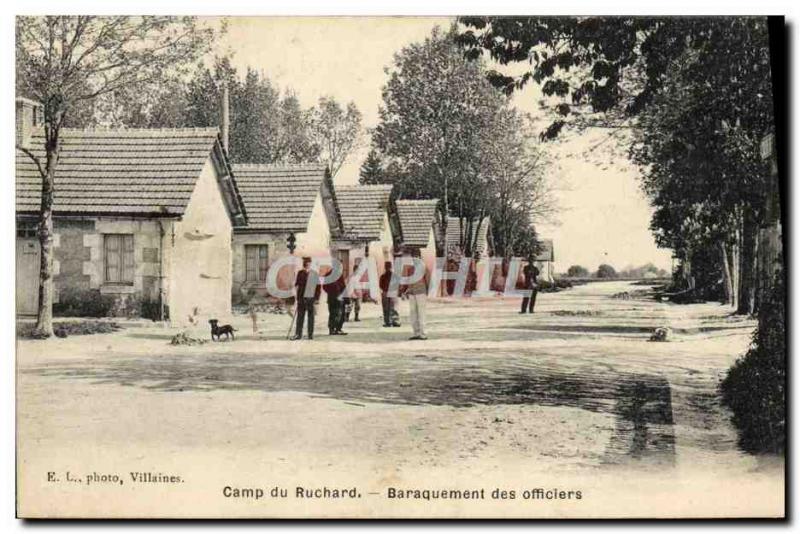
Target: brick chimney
(29, 116)
(226, 117)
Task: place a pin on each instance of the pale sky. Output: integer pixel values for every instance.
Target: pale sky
(604, 218)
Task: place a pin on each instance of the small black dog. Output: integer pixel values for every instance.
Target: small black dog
(217, 331)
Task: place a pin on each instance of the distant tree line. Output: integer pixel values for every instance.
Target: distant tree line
(648, 270)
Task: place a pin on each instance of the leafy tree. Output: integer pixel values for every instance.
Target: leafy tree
(697, 94)
(67, 63)
(295, 140)
(254, 119)
(337, 131)
(445, 133)
(578, 271)
(266, 126)
(524, 242)
(372, 171)
(437, 108)
(606, 271)
(648, 270)
(712, 197)
(518, 189)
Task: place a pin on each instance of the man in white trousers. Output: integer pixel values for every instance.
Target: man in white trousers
(417, 295)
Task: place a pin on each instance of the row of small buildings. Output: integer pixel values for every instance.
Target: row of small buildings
(159, 223)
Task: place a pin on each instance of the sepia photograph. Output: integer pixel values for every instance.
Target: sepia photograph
(400, 267)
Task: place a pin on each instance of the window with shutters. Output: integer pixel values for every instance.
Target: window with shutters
(118, 255)
(256, 263)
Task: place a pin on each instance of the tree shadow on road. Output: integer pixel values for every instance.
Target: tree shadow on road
(641, 403)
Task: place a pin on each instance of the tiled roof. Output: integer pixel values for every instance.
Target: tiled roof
(416, 219)
(545, 250)
(279, 197)
(131, 171)
(363, 208)
(454, 231)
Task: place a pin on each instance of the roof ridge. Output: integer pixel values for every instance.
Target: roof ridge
(366, 186)
(418, 201)
(205, 129)
(279, 165)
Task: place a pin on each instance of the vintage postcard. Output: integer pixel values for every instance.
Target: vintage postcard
(400, 267)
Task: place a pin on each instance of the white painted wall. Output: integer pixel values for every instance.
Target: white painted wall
(200, 270)
(428, 253)
(546, 273)
(316, 241)
(381, 250)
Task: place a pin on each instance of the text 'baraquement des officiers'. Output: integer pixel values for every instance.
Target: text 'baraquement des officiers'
(404, 493)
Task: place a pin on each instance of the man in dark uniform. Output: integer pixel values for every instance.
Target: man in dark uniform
(305, 304)
(334, 291)
(530, 272)
(390, 315)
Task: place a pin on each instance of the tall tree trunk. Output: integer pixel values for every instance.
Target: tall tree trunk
(445, 212)
(749, 260)
(465, 238)
(446, 199)
(688, 277)
(44, 319)
(769, 258)
(726, 272)
(733, 261)
(474, 236)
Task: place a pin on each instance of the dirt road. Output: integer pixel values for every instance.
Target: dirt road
(575, 390)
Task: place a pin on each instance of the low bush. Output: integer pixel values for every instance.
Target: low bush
(74, 302)
(755, 387)
(71, 328)
(83, 303)
(551, 287)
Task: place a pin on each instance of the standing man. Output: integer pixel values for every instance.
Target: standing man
(353, 303)
(530, 272)
(305, 303)
(417, 295)
(334, 290)
(390, 316)
(357, 294)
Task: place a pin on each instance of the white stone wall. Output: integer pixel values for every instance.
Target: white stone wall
(428, 253)
(200, 256)
(383, 249)
(316, 241)
(145, 235)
